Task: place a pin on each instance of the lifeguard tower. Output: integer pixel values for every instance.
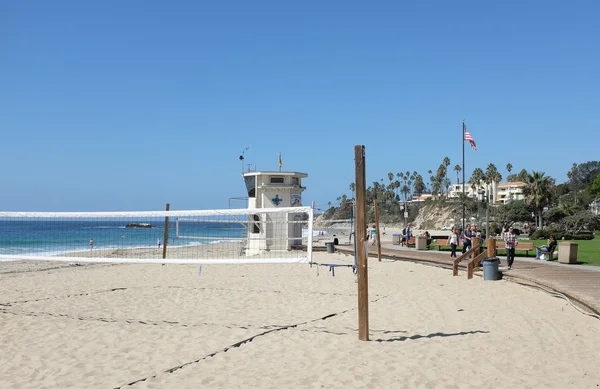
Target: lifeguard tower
(272, 231)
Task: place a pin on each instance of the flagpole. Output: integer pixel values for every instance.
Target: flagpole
(462, 140)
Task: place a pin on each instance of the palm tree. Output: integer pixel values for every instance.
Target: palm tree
(396, 186)
(538, 193)
(573, 178)
(440, 176)
(419, 186)
(446, 163)
(457, 169)
(405, 189)
(522, 176)
(509, 168)
(476, 177)
(492, 175)
(447, 184)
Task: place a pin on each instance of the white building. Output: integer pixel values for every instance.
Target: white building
(273, 190)
(457, 189)
(509, 191)
(497, 193)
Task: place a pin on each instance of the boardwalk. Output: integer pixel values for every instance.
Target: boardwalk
(578, 282)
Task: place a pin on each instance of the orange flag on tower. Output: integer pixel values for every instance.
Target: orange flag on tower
(280, 163)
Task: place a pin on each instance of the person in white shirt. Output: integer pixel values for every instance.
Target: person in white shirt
(453, 241)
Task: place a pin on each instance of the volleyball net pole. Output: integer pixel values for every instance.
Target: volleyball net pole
(361, 243)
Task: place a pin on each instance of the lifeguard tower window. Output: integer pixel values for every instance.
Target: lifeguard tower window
(250, 182)
(255, 228)
(295, 181)
(276, 180)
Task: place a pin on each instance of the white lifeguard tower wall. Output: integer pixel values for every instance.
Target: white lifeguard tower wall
(273, 190)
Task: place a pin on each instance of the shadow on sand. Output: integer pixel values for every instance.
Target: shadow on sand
(434, 335)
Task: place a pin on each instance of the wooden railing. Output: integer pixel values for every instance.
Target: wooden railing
(469, 254)
(490, 253)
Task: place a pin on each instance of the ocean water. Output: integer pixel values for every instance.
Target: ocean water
(52, 237)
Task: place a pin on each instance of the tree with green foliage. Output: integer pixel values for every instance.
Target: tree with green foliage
(514, 211)
(419, 185)
(538, 193)
(594, 189)
(580, 222)
(492, 175)
(439, 178)
(447, 184)
(446, 163)
(522, 176)
(586, 172)
(509, 167)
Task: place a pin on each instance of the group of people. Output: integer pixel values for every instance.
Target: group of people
(457, 235)
(464, 237)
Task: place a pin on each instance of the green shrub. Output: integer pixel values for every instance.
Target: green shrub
(559, 235)
(544, 233)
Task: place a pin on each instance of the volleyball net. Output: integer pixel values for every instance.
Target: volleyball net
(265, 235)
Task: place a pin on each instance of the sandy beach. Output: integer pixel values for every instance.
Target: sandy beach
(280, 326)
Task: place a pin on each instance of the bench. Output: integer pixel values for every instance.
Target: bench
(521, 246)
(444, 243)
(411, 241)
(550, 254)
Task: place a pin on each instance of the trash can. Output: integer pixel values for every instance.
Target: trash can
(395, 238)
(567, 252)
(330, 247)
(421, 243)
(490, 269)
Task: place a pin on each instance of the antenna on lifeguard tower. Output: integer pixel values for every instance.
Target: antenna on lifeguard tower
(242, 158)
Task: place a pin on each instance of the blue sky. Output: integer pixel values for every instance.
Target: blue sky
(128, 105)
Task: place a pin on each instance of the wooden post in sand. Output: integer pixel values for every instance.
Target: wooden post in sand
(377, 231)
(491, 248)
(361, 243)
(166, 235)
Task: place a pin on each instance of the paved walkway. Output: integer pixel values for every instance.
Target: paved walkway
(580, 283)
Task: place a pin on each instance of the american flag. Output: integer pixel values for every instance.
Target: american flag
(469, 137)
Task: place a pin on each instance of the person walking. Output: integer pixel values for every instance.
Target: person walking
(466, 239)
(453, 241)
(407, 233)
(373, 235)
(510, 240)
